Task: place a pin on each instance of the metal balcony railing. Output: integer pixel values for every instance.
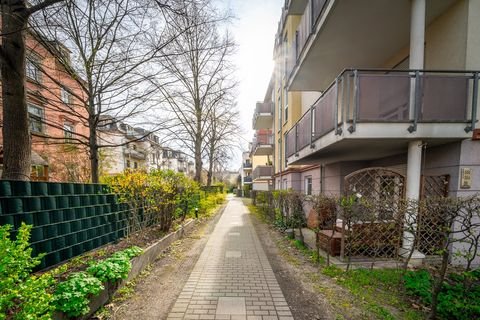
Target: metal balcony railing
(260, 140)
(262, 172)
(247, 165)
(135, 154)
(374, 95)
(263, 114)
(307, 24)
(247, 179)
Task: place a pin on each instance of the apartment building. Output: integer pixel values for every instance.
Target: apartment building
(56, 114)
(246, 173)
(378, 99)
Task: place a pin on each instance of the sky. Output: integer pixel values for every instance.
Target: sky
(254, 31)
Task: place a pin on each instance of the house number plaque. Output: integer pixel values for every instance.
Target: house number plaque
(465, 178)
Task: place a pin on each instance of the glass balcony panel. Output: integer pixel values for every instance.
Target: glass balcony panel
(324, 112)
(383, 97)
(290, 148)
(445, 98)
(304, 130)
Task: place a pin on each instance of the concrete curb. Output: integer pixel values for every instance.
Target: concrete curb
(139, 264)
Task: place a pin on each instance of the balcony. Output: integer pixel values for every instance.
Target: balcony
(368, 114)
(247, 166)
(295, 7)
(247, 180)
(134, 154)
(263, 116)
(262, 173)
(263, 145)
(331, 30)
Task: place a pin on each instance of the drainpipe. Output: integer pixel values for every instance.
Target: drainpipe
(414, 162)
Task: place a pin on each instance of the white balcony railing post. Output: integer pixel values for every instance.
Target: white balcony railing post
(473, 115)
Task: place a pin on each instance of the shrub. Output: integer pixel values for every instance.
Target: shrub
(116, 267)
(72, 296)
(22, 295)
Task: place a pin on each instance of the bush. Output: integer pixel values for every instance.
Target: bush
(22, 296)
(458, 299)
(116, 267)
(72, 296)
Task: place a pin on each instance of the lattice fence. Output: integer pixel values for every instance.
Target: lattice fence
(429, 222)
(374, 227)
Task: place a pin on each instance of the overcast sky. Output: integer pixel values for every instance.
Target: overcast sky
(254, 30)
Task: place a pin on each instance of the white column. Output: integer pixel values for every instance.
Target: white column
(417, 45)
(414, 162)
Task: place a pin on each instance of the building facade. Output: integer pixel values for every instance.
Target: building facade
(58, 133)
(376, 99)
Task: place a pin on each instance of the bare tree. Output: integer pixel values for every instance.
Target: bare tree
(222, 136)
(200, 75)
(113, 44)
(15, 15)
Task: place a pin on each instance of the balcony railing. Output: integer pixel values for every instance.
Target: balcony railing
(261, 143)
(135, 154)
(263, 116)
(262, 172)
(392, 96)
(247, 179)
(247, 165)
(308, 23)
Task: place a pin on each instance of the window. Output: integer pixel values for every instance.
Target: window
(38, 172)
(285, 187)
(285, 55)
(65, 95)
(308, 185)
(279, 104)
(135, 165)
(32, 71)
(128, 164)
(36, 118)
(285, 101)
(68, 130)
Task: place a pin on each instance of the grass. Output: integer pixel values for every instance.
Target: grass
(375, 291)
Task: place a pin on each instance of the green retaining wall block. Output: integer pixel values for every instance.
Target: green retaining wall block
(68, 188)
(71, 239)
(56, 216)
(86, 223)
(5, 189)
(53, 258)
(7, 219)
(88, 245)
(91, 233)
(41, 218)
(14, 205)
(45, 246)
(82, 236)
(97, 188)
(21, 188)
(64, 228)
(79, 188)
(37, 234)
(80, 213)
(96, 243)
(68, 214)
(54, 189)
(58, 243)
(93, 199)
(77, 250)
(102, 199)
(85, 200)
(50, 231)
(39, 188)
(89, 188)
(24, 217)
(66, 254)
(76, 225)
(99, 210)
(49, 203)
(74, 201)
(62, 202)
(32, 204)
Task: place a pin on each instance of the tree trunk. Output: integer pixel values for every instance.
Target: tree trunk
(438, 283)
(198, 160)
(16, 134)
(93, 145)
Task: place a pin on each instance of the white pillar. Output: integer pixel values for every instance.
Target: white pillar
(417, 45)
(414, 162)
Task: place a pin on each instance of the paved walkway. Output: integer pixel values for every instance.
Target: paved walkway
(232, 278)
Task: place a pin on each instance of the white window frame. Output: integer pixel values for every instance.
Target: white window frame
(32, 71)
(308, 186)
(65, 95)
(36, 117)
(68, 130)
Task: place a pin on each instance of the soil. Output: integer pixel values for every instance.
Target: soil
(156, 291)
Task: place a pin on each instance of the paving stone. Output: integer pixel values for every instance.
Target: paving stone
(232, 279)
